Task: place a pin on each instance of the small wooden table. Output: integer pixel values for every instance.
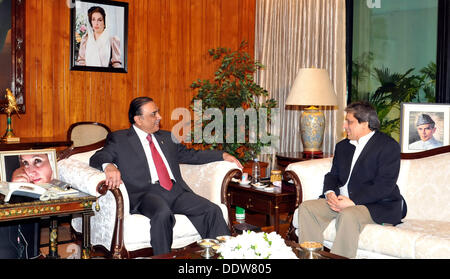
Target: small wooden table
(75, 204)
(35, 143)
(272, 204)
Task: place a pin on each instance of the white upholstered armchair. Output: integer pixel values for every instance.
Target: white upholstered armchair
(117, 233)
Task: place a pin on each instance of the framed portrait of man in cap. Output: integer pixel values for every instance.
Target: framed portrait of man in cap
(424, 126)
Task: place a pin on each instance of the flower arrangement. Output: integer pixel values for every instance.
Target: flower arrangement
(80, 30)
(252, 245)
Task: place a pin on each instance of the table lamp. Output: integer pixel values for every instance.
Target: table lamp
(312, 88)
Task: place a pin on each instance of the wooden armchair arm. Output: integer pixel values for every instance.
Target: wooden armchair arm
(117, 247)
(66, 153)
(288, 176)
(224, 197)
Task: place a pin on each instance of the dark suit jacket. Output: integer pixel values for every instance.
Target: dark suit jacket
(374, 177)
(124, 149)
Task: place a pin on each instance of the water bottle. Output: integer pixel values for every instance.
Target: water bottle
(256, 171)
(240, 214)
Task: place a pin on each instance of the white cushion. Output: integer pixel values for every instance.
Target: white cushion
(137, 231)
(137, 228)
(388, 240)
(434, 242)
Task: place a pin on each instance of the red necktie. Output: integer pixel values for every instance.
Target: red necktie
(163, 174)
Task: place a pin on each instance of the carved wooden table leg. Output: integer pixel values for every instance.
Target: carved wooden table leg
(86, 248)
(53, 239)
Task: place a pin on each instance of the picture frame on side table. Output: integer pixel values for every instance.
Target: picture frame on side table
(424, 126)
(99, 36)
(31, 166)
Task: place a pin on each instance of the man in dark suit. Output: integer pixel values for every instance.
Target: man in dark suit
(146, 159)
(361, 186)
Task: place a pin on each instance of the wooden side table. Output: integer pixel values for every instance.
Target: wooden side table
(79, 204)
(286, 158)
(269, 203)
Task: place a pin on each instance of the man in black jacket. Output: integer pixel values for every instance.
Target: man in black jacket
(154, 184)
(361, 186)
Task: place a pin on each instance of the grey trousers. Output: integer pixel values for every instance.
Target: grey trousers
(315, 215)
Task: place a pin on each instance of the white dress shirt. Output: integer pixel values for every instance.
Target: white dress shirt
(359, 146)
(148, 153)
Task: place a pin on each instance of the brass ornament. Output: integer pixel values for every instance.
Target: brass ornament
(10, 109)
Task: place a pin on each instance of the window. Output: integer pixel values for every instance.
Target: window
(392, 55)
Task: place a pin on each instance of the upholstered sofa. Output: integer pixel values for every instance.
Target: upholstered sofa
(424, 182)
(117, 233)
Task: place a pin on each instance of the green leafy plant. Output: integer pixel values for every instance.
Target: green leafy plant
(233, 87)
(394, 89)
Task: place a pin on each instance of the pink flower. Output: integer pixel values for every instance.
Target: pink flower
(83, 28)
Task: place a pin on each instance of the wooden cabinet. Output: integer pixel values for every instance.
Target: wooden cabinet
(272, 204)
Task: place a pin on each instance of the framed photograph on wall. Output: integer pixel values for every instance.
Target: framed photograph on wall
(31, 166)
(424, 126)
(12, 52)
(99, 36)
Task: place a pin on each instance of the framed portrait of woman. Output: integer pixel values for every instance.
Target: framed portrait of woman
(99, 36)
(31, 166)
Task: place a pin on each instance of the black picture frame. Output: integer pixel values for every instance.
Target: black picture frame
(117, 36)
(12, 52)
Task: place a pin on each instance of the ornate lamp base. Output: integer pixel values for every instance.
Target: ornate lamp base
(312, 127)
(9, 134)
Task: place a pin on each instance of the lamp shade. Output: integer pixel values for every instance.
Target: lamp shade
(312, 87)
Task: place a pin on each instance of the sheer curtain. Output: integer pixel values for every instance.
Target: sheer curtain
(294, 34)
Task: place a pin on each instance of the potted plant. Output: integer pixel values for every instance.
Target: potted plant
(232, 91)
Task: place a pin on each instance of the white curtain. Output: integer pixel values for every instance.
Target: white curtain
(294, 34)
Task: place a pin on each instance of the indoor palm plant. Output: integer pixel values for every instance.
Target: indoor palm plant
(393, 90)
(233, 89)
